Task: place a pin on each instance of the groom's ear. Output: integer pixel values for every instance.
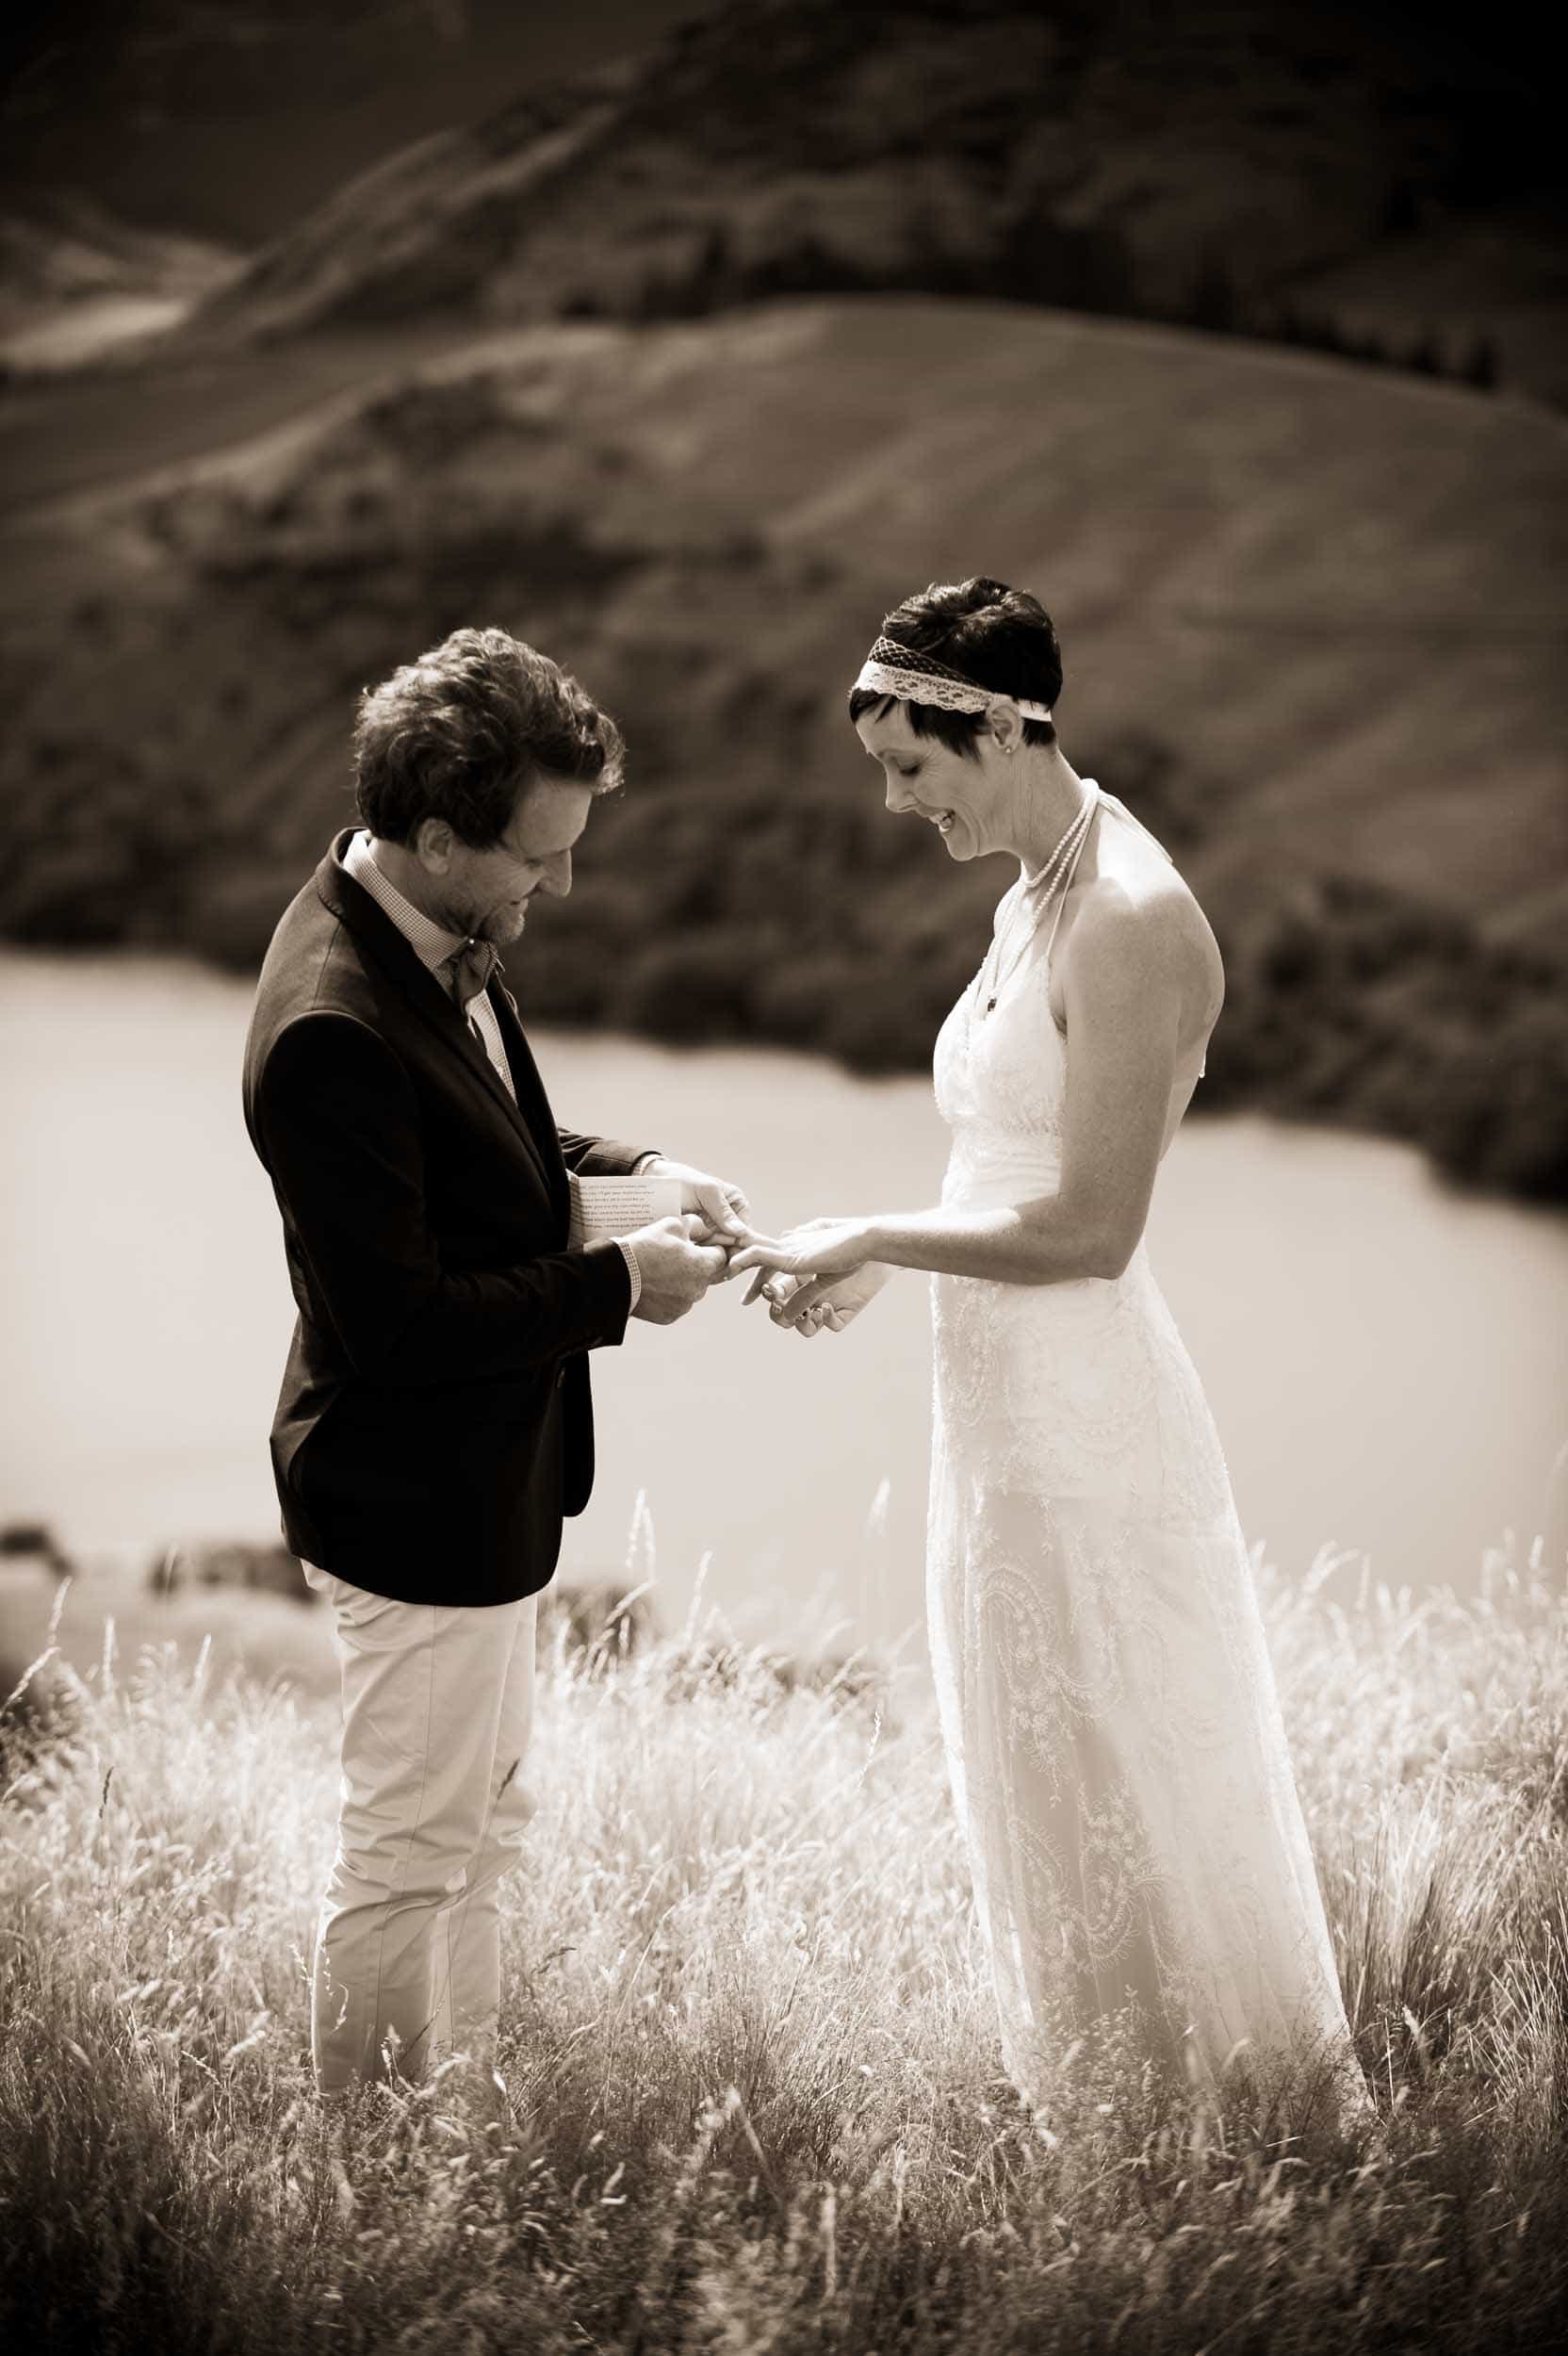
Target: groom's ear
(432, 845)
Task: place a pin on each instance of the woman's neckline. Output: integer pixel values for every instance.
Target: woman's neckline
(1092, 792)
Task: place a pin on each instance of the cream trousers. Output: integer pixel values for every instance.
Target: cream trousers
(437, 1709)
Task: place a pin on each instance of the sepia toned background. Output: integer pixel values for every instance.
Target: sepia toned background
(684, 343)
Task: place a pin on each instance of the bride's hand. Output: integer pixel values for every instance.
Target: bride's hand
(808, 1303)
(822, 1247)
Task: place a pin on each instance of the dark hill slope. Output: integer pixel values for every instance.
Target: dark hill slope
(74, 278)
(1305, 615)
(232, 122)
(1233, 165)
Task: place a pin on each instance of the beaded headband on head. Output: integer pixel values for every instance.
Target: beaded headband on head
(891, 669)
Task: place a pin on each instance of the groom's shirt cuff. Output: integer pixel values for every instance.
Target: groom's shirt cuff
(643, 1161)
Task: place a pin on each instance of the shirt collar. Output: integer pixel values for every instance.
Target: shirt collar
(429, 941)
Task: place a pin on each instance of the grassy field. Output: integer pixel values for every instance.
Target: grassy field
(755, 2098)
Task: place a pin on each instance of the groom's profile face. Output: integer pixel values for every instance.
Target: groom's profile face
(485, 893)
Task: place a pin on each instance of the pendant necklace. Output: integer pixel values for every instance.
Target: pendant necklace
(1039, 890)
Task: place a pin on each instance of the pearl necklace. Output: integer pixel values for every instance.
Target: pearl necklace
(1039, 891)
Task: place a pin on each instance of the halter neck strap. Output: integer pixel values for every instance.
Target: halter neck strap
(1098, 795)
(1077, 835)
(1122, 812)
(1094, 795)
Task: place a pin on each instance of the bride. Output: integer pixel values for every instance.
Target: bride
(1117, 1758)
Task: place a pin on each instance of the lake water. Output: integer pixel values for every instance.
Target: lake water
(1388, 1363)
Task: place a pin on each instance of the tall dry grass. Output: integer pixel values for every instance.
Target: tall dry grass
(755, 2099)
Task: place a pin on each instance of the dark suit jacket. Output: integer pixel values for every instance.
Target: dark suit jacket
(434, 1420)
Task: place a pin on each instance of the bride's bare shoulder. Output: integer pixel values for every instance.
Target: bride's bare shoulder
(1138, 919)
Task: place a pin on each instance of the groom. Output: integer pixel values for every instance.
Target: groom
(433, 1424)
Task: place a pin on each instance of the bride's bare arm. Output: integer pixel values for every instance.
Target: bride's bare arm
(1122, 983)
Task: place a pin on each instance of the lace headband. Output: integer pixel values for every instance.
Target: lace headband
(891, 669)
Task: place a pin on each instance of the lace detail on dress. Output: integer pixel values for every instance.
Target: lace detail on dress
(1112, 1734)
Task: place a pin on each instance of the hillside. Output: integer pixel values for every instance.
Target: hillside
(233, 123)
(74, 280)
(1303, 610)
(1294, 171)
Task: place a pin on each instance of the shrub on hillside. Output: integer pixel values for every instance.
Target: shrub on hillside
(1348, 1001)
(1499, 1118)
(232, 909)
(695, 989)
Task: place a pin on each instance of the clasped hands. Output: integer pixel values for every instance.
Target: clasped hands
(817, 1275)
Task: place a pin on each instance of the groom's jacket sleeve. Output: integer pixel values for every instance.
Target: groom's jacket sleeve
(599, 1157)
(338, 1129)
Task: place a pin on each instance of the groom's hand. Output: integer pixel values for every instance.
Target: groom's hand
(722, 1207)
(676, 1268)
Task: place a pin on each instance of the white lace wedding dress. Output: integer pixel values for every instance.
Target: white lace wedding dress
(1108, 1709)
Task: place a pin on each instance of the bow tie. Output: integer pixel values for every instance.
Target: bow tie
(470, 968)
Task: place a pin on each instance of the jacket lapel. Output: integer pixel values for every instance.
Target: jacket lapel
(532, 1098)
(376, 931)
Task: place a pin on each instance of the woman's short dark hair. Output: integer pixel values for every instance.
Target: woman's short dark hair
(459, 733)
(1001, 638)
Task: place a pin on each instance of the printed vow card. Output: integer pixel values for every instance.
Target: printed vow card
(617, 1206)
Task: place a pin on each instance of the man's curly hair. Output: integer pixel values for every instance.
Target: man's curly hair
(459, 733)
